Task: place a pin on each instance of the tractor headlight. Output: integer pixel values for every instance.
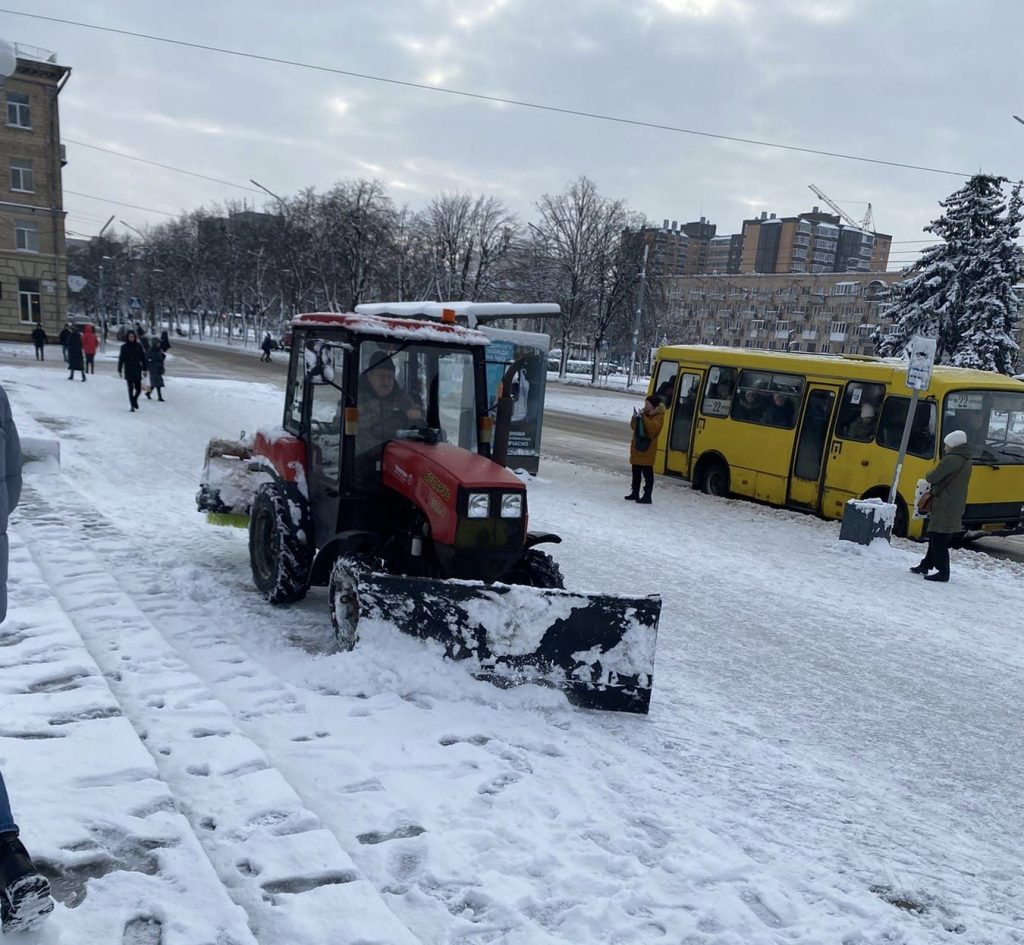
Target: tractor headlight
(478, 505)
(511, 505)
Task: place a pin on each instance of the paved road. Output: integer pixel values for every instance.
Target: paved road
(571, 437)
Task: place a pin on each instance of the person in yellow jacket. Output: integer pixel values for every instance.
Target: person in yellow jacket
(646, 425)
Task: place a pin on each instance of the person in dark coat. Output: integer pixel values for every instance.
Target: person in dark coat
(155, 363)
(130, 364)
(165, 342)
(76, 356)
(267, 347)
(646, 425)
(65, 334)
(39, 340)
(949, 481)
(24, 893)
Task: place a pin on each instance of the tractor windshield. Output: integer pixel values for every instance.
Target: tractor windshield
(405, 386)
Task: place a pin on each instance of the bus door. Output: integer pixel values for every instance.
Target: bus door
(681, 424)
(812, 444)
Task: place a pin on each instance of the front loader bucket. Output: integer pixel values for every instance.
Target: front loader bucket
(599, 648)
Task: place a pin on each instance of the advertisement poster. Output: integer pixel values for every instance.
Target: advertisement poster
(526, 353)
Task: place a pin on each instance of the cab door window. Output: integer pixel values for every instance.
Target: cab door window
(296, 385)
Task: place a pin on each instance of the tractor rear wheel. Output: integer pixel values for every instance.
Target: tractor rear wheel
(536, 569)
(280, 550)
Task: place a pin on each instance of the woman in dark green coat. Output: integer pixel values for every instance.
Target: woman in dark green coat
(949, 481)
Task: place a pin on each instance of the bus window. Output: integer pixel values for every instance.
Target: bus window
(682, 418)
(767, 398)
(922, 431)
(858, 413)
(993, 421)
(666, 381)
(718, 392)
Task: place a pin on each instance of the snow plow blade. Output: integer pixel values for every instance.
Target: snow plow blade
(598, 648)
(229, 482)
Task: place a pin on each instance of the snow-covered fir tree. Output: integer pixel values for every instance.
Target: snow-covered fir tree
(961, 290)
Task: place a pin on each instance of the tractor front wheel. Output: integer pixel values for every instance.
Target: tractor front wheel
(536, 569)
(280, 544)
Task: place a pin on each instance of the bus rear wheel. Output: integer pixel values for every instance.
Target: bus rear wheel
(714, 479)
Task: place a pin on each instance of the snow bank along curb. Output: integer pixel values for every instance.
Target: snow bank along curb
(293, 878)
(91, 806)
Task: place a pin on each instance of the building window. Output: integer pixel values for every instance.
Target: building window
(30, 302)
(26, 236)
(21, 175)
(19, 114)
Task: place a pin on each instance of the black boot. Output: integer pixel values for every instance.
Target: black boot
(936, 577)
(632, 497)
(645, 499)
(149, 395)
(160, 396)
(24, 891)
(921, 568)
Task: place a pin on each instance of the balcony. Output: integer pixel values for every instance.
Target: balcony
(837, 336)
(809, 335)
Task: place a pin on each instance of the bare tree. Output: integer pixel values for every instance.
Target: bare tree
(574, 237)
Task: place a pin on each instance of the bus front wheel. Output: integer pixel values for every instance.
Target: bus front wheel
(714, 479)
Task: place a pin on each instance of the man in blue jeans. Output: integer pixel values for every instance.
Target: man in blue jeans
(24, 893)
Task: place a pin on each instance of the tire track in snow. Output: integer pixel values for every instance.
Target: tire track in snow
(291, 876)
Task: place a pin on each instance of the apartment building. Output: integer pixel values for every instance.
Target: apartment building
(823, 313)
(812, 242)
(33, 261)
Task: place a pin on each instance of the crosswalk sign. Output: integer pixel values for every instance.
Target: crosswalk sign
(135, 305)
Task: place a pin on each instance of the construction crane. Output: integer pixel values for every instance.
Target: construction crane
(867, 224)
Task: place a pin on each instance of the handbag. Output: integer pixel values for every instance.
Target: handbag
(640, 437)
(924, 504)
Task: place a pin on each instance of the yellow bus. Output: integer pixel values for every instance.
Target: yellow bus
(811, 431)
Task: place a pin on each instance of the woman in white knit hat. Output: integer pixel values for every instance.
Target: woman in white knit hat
(949, 481)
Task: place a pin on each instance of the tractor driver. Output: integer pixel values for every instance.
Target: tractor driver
(384, 409)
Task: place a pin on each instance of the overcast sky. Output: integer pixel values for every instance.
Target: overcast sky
(930, 82)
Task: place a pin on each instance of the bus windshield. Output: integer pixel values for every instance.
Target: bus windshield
(993, 421)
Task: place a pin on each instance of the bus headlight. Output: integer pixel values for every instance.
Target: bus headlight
(478, 505)
(511, 505)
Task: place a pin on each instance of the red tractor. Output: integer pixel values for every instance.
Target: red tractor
(381, 486)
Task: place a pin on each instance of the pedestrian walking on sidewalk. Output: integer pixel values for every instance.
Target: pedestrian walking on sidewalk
(39, 340)
(24, 891)
(90, 345)
(65, 334)
(948, 481)
(646, 425)
(131, 362)
(155, 363)
(76, 355)
(165, 342)
(267, 347)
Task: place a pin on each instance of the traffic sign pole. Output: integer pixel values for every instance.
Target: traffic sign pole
(921, 352)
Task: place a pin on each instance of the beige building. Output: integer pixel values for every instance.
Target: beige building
(823, 313)
(33, 262)
(811, 242)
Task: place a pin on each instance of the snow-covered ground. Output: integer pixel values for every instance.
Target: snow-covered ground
(834, 752)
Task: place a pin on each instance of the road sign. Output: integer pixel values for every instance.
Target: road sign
(135, 305)
(921, 352)
(77, 283)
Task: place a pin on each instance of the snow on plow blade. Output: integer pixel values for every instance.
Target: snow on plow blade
(229, 481)
(599, 648)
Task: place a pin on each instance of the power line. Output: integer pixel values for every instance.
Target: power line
(166, 167)
(118, 202)
(479, 96)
